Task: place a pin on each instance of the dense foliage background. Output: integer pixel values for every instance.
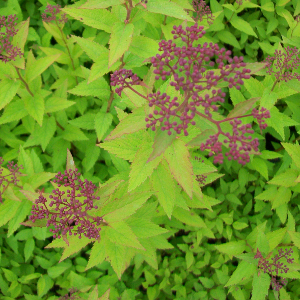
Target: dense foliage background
(198, 267)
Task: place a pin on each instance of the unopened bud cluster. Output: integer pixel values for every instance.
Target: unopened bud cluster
(191, 69)
(282, 64)
(7, 50)
(54, 10)
(203, 11)
(69, 208)
(266, 266)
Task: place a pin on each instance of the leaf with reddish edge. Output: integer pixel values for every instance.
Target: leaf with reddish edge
(70, 161)
(161, 142)
(37, 223)
(242, 107)
(201, 138)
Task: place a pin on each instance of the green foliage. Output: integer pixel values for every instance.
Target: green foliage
(164, 235)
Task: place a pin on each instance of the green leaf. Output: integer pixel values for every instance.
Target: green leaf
(92, 4)
(8, 210)
(86, 121)
(120, 40)
(9, 275)
(121, 234)
(242, 25)
(54, 104)
(35, 106)
(55, 271)
(8, 89)
(28, 249)
(13, 111)
(98, 88)
(44, 284)
(294, 152)
(20, 215)
(228, 38)
(163, 184)
(72, 133)
(119, 256)
(37, 67)
(232, 248)
(140, 168)
(188, 217)
(272, 24)
(260, 166)
(143, 47)
(178, 158)
(243, 271)
(269, 6)
(242, 107)
(168, 8)
(101, 19)
(102, 123)
(260, 286)
(275, 237)
(135, 121)
(285, 179)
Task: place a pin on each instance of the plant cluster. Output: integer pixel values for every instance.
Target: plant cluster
(54, 10)
(203, 11)
(192, 73)
(70, 208)
(7, 50)
(265, 265)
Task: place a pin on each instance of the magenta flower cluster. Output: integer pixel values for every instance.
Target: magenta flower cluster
(69, 209)
(266, 266)
(203, 11)
(14, 171)
(191, 68)
(282, 64)
(54, 10)
(7, 50)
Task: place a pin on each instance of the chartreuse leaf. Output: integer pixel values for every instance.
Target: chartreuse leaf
(275, 237)
(35, 105)
(294, 152)
(101, 19)
(20, 215)
(121, 234)
(178, 159)
(131, 123)
(143, 47)
(54, 104)
(13, 111)
(37, 67)
(126, 146)
(285, 179)
(243, 271)
(260, 286)
(140, 169)
(102, 123)
(136, 99)
(119, 256)
(8, 89)
(227, 37)
(92, 4)
(120, 40)
(63, 57)
(120, 209)
(98, 88)
(260, 166)
(73, 133)
(143, 228)
(279, 120)
(97, 255)
(80, 282)
(168, 8)
(8, 210)
(283, 196)
(232, 248)
(242, 25)
(242, 107)
(188, 217)
(164, 185)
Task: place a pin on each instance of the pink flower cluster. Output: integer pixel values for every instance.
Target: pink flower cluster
(69, 209)
(7, 50)
(54, 10)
